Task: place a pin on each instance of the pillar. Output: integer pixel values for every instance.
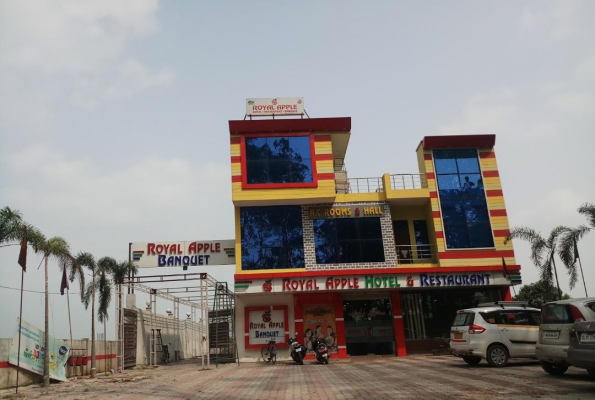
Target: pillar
(340, 322)
(395, 299)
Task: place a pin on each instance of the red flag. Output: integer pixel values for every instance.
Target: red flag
(64, 284)
(23, 255)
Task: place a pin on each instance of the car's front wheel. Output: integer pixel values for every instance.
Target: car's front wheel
(554, 369)
(472, 360)
(497, 356)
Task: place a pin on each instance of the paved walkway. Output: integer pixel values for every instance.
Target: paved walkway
(423, 377)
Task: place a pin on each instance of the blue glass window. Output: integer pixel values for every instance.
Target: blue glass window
(348, 240)
(462, 199)
(278, 160)
(272, 237)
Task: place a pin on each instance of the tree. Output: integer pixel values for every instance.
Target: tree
(568, 248)
(542, 251)
(9, 221)
(58, 249)
(539, 293)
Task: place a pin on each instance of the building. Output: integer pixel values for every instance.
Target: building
(376, 265)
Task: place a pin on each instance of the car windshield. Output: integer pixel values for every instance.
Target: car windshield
(556, 314)
(463, 319)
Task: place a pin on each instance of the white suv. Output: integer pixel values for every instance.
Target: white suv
(495, 331)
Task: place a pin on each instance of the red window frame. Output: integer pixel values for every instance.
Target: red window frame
(247, 310)
(246, 185)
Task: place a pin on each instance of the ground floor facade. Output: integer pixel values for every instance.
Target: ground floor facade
(359, 314)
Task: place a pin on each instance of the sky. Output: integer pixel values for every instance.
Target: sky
(113, 115)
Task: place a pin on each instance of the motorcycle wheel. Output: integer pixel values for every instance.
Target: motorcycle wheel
(326, 361)
(300, 359)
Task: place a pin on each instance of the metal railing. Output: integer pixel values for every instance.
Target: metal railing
(408, 181)
(416, 254)
(360, 185)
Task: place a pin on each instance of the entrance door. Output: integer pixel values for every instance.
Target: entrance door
(369, 327)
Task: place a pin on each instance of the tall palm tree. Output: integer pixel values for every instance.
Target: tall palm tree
(57, 249)
(97, 269)
(119, 272)
(9, 220)
(542, 251)
(568, 249)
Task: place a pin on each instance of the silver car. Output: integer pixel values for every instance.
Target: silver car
(581, 352)
(495, 332)
(557, 318)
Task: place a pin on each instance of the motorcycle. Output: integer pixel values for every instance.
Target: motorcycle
(320, 351)
(298, 351)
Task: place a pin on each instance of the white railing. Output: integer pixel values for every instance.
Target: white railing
(363, 185)
(416, 254)
(408, 181)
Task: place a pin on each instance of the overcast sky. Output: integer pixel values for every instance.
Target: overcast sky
(113, 115)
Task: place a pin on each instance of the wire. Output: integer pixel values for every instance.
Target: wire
(30, 291)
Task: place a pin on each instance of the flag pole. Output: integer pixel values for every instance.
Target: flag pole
(20, 333)
(69, 322)
(583, 275)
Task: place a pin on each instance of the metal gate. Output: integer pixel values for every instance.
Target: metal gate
(130, 327)
(222, 341)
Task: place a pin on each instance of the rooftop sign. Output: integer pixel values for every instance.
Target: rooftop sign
(179, 254)
(275, 106)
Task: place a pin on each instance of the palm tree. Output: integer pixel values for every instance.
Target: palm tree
(119, 272)
(568, 249)
(9, 221)
(58, 249)
(104, 264)
(542, 251)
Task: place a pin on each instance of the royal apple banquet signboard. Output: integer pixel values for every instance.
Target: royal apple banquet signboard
(266, 323)
(179, 254)
(369, 282)
(275, 106)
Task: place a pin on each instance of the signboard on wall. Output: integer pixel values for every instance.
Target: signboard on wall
(326, 212)
(32, 352)
(275, 106)
(266, 323)
(370, 282)
(319, 323)
(179, 254)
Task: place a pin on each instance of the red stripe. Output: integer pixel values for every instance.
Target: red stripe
(487, 154)
(236, 159)
(498, 213)
(454, 255)
(234, 140)
(380, 271)
(324, 157)
(435, 214)
(430, 175)
(491, 174)
(4, 364)
(322, 138)
(329, 176)
(493, 193)
(433, 195)
(439, 234)
(105, 356)
(428, 157)
(236, 178)
(501, 232)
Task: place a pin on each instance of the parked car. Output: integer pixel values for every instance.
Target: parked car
(495, 331)
(557, 318)
(581, 352)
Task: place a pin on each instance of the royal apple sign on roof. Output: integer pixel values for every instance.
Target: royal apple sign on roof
(275, 106)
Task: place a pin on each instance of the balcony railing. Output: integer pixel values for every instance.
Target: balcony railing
(408, 181)
(416, 254)
(361, 185)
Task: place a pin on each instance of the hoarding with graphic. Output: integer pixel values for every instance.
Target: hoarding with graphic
(266, 323)
(180, 254)
(33, 351)
(319, 323)
(275, 106)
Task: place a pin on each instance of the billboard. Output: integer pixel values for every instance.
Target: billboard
(33, 351)
(275, 106)
(179, 254)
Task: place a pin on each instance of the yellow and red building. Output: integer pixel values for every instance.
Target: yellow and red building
(375, 265)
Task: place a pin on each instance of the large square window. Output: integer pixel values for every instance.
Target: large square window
(348, 240)
(278, 160)
(272, 237)
(462, 199)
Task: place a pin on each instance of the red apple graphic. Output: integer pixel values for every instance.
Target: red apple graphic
(267, 286)
(266, 317)
(274, 102)
(357, 212)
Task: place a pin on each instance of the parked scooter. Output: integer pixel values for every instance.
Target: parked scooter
(320, 351)
(298, 351)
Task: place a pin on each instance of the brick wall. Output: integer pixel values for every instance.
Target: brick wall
(390, 254)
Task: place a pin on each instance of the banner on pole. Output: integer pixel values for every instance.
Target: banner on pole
(32, 352)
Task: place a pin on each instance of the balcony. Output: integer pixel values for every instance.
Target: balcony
(408, 181)
(416, 254)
